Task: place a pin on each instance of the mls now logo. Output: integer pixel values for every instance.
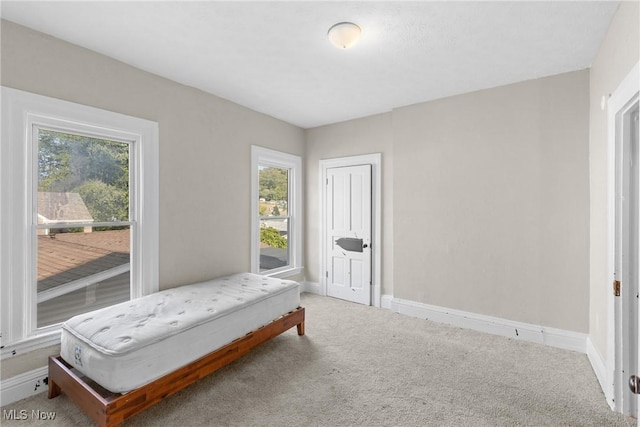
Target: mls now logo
(23, 414)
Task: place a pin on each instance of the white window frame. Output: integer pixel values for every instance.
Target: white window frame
(267, 157)
(21, 113)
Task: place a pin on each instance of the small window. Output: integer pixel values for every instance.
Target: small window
(276, 247)
(274, 217)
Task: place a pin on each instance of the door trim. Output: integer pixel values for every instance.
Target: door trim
(375, 160)
(618, 319)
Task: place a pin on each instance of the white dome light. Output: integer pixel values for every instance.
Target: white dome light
(343, 35)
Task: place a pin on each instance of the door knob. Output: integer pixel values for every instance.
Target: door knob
(634, 384)
(365, 246)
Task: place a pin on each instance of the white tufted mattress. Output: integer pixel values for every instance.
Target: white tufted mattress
(130, 344)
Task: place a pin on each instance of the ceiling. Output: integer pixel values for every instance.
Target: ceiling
(275, 58)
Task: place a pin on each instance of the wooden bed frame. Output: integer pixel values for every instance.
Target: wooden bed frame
(110, 409)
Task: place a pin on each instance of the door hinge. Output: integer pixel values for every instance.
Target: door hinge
(326, 274)
(616, 288)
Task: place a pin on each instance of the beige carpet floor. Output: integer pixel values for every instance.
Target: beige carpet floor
(363, 366)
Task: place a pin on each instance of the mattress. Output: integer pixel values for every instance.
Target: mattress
(128, 345)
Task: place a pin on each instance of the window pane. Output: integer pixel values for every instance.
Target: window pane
(80, 270)
(274, 191)
(274, 247)
(274, 202)
(81, 179)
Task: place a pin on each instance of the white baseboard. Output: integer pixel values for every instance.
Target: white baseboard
(385, 301)
(23, 385)
(598, 365)
(311, 287)
(553, 337)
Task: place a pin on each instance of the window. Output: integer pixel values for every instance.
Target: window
(79, 208)
(276, 213)
(82, 224)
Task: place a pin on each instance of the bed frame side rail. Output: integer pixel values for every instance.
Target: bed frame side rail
(110, 409)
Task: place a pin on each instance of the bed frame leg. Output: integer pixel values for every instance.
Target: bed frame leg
(300, 328)
(54, 389)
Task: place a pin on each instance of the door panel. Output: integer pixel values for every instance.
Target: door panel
(630, 255)
(627, 257)
(357, 274)
(634, 264)
(338, 271)
(348, 227)
(338, 209)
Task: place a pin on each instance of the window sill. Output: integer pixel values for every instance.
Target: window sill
(283, 274)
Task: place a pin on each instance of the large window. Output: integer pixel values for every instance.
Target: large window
(79, 210)
(276, 232)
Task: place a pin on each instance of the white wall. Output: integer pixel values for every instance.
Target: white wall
(491, 202)
(205, 152)
(619, 52)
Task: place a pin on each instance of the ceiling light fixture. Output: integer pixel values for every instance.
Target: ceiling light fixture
(343, 35)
